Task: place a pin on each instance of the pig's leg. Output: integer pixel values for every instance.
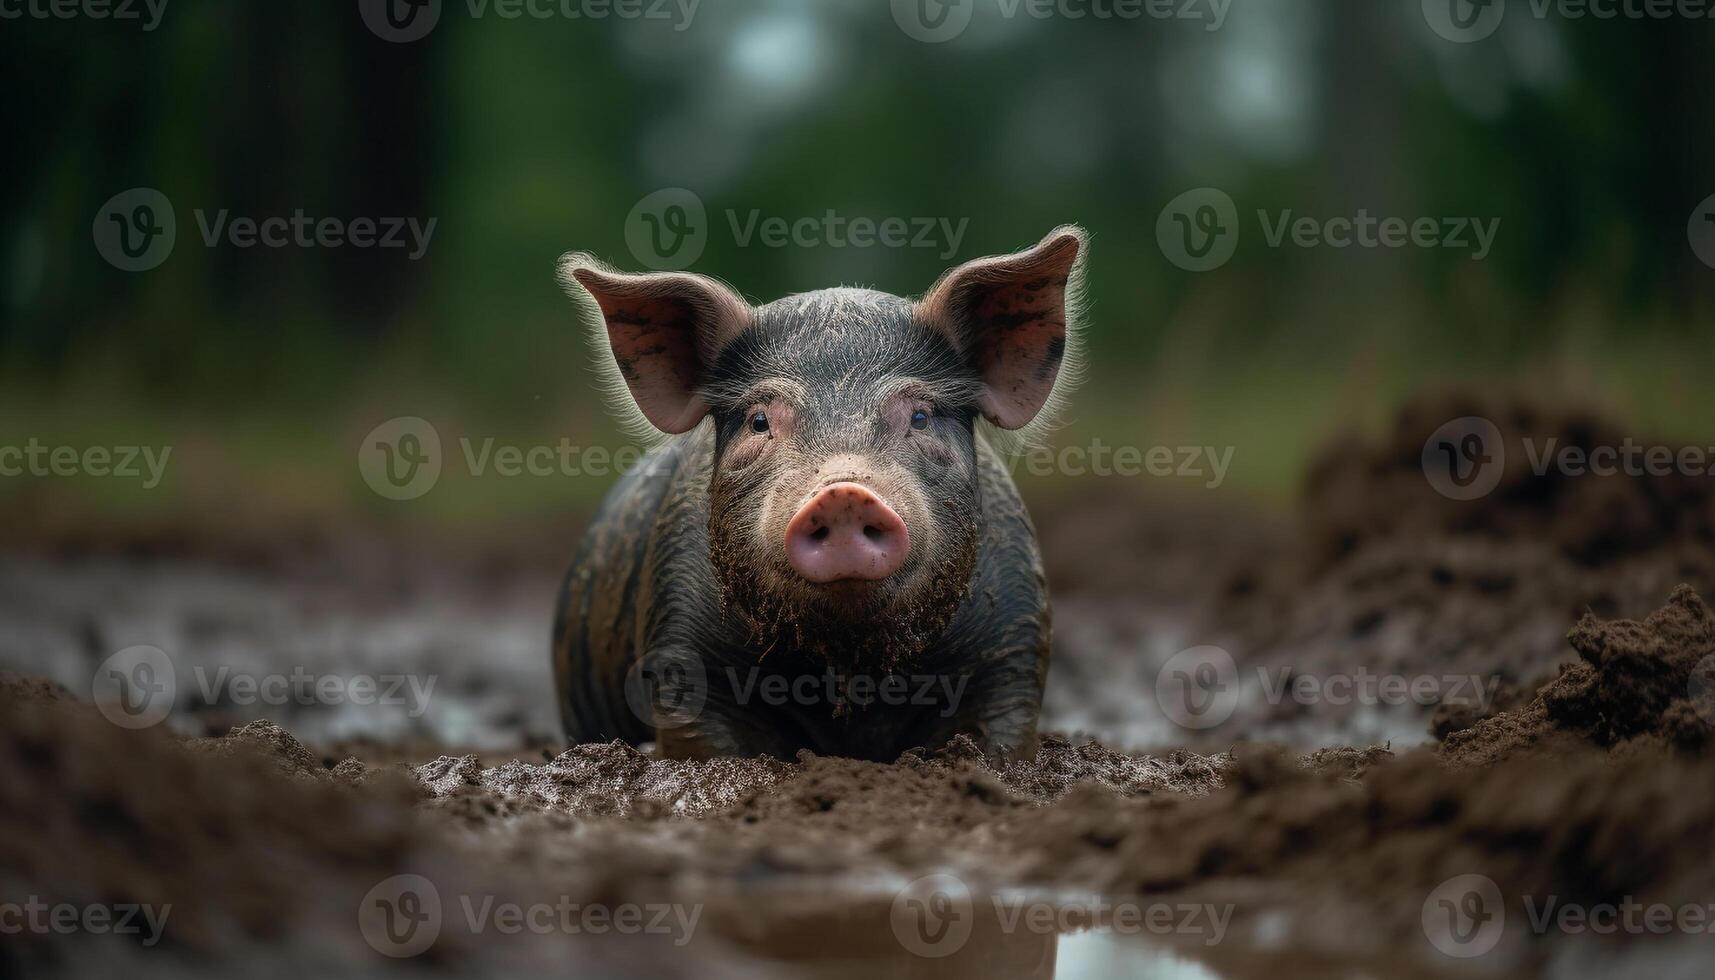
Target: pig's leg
(715, 734)
(704, 719)
(995, 705)
(1008, 701)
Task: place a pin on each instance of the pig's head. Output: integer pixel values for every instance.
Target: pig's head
(844, 501)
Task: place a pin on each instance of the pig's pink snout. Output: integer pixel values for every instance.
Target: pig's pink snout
(846, 532)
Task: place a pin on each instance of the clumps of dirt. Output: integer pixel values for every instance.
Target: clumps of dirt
(264, 740)
(616, 780)
(1640, 685)
(1448, 718)
(1346, 866)
(240, 849)
(254, 857)
(1392, 577)
(1062, 764)
(19, 689)
(596, 779)
(1346, 762)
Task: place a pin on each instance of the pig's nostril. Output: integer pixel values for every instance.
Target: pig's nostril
(873, 533)
(819, 534)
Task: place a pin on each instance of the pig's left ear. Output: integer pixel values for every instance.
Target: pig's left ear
(1013, 317)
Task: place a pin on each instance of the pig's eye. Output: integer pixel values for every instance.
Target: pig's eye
(759, 422)
(920, 420)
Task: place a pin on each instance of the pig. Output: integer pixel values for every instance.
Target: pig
(826, 550)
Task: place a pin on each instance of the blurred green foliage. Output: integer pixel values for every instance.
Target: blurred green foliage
(1590, 141)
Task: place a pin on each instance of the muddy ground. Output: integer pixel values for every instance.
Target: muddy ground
(1550, 776)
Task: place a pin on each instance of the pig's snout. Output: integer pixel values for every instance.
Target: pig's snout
(846, 532)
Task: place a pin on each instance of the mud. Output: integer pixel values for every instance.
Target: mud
(1281, 842)
(1384, 574)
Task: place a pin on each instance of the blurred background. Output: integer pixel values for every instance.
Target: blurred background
(523, 132)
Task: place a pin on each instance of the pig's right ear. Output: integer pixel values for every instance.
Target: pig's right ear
(663, 330)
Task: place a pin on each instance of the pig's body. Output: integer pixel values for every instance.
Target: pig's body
(828, 555)
(642, 580)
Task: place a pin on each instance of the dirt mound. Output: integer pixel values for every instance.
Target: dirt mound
(1590, 795)
(1639, 685)
(1395, 578)
(91, 813)
(1358, 491)
(247, 855)
(1346, 867)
